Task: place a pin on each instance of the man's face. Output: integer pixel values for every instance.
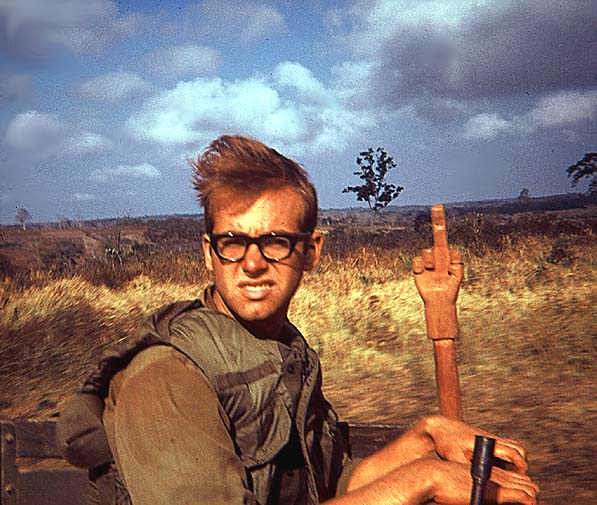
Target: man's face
(254, 290)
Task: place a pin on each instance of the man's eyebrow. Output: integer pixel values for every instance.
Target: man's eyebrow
(286, 232)
(277, 232)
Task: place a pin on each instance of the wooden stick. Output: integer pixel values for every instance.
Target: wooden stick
(446, 378)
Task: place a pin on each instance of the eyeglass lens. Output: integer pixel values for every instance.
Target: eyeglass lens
(271, 246)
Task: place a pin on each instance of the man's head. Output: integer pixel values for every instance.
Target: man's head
(236, 165)
(261, 210)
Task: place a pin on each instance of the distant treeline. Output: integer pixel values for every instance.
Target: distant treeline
(522, 204)
(328, 216)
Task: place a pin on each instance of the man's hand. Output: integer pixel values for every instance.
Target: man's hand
(438, 274)
(428, 480)
(455, 441)
(435, 436)
(451, 485)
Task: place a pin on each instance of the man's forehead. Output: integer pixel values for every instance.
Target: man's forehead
(285, 203)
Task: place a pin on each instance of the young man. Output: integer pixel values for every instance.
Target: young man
(219, 400)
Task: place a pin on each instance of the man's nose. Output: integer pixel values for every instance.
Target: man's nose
(254, 262)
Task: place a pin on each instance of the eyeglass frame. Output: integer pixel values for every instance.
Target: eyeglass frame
(293, 238)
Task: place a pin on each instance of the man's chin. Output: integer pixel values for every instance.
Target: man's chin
(255, 316)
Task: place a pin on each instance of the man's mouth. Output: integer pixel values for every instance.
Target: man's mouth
(255, 291)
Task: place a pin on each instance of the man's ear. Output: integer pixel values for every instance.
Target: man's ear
(313, 251)
(206, 246)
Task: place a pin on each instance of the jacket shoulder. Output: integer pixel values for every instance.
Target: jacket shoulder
(154, 331)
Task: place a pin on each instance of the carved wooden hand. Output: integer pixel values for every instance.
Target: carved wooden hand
(438, 274)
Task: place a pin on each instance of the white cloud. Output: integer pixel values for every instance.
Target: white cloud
(184, 61)
(246, 21)
(370, 24)
(113, 86)
(296, 77)
(203, 106)
(563, 108)
(86, 143)
(35, 132)
(554, 111)
(486, 126)
(304, 116)
(41, 135)
(144, 170)
(37, 26)
(353, 81)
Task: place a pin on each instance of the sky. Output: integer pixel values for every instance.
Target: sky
(104, 102)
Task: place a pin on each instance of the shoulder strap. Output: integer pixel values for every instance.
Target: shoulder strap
(164, 316)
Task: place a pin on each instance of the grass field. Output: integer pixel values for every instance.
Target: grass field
(526, 310)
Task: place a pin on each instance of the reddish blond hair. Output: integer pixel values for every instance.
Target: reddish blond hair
(245, 165)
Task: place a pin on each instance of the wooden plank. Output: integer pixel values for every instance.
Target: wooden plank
(37, 438)
(366, 439)
(33, 470)
(47, 481)
(8, 465)
(34, 474)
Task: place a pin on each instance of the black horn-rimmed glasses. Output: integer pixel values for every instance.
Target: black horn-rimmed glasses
(274, 246)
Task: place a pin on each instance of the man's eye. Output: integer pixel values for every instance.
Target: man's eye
(232, 245)
(276, 244)
(276, 241)
(232, 241)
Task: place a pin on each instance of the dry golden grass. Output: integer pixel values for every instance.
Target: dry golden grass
(526, 350)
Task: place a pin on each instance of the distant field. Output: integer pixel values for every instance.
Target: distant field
(526, 310)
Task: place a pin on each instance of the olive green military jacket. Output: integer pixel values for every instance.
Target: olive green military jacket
(246, 375)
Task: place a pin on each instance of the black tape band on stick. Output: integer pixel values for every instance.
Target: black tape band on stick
(481, 467)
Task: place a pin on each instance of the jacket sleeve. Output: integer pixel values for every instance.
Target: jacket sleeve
(169, 435)
(346, 462)
(347, 469)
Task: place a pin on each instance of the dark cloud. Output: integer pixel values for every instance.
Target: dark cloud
(533, 47)
(14, 87)
(34, 29)
(441, 110)
(240, 21)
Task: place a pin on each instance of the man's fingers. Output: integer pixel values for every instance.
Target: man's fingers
(428, 260)
(509, 450)
(513, 488)
(513, 452)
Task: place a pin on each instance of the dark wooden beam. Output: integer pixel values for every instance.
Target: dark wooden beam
(33, 473)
